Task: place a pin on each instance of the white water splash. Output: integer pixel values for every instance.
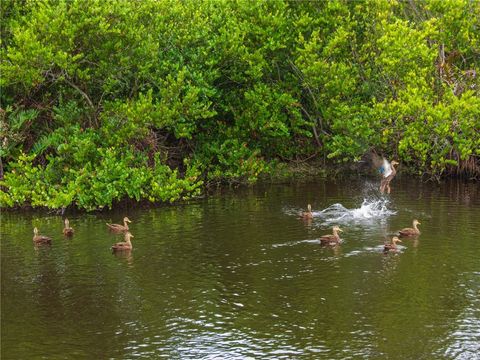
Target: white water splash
(294, 243)
(373, 250)
(371, 209)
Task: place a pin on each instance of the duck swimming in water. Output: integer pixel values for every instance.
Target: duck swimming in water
(410, 231)
(307, 215)
(124, 245)
(40, 239)
(392, 246)
(331, 239)
(118, 227)
(67, 230)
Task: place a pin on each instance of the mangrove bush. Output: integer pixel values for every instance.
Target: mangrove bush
(103, 101)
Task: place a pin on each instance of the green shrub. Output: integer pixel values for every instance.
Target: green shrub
(106, 101)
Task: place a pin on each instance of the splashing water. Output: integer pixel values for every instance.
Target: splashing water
(376, 209)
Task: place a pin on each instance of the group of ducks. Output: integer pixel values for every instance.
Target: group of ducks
(387, 171)
(334, 239)
(68, 232)
(46, 240)
(327, 240)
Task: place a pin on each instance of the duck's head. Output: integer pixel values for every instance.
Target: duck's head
(126, 219)
(416, 222)
(337, 228)
(394, 162)
(128, 236)
(35, 231)
(395, 239)
(67, 223)
(309, 207)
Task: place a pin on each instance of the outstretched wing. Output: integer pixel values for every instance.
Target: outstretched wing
(381, 165)
(385, 169)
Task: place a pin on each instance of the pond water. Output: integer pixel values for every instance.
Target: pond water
(238, 275)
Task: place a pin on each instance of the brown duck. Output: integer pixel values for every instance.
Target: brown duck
(392, 246)
(118, 227)
(331, 239)
(124, 245)
(40, 239)
(410, 231)
(67, 230)
(307, 215)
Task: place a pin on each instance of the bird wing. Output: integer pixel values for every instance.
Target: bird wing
(375, 160)
(115, 226)
(42, 239)
(407, 231)
(119, 246)
(380, 164)
(385, 169)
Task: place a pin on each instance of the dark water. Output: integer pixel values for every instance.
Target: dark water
(239, 276)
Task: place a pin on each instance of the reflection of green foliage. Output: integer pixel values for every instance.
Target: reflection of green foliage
(145, 100)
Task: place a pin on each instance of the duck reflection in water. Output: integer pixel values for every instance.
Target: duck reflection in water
(124, 254)
(389, 267)
(337, 250)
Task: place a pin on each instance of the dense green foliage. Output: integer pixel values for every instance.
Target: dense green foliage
(107, 100)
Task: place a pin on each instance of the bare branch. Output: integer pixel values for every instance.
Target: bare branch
(81, 92)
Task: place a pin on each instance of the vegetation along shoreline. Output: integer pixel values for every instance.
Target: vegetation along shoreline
(156, 101)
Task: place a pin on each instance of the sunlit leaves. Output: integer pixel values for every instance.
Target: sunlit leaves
(110, 100)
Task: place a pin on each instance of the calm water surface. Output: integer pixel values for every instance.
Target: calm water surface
(238, 275)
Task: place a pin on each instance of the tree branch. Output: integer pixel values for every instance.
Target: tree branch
(83, 93)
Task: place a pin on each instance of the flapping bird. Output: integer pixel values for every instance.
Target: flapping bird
(382, 166)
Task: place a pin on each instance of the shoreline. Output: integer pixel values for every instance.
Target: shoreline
(285, 173)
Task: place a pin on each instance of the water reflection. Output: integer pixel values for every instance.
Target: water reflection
(239, 275)
(124, 255)
(390, 263)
